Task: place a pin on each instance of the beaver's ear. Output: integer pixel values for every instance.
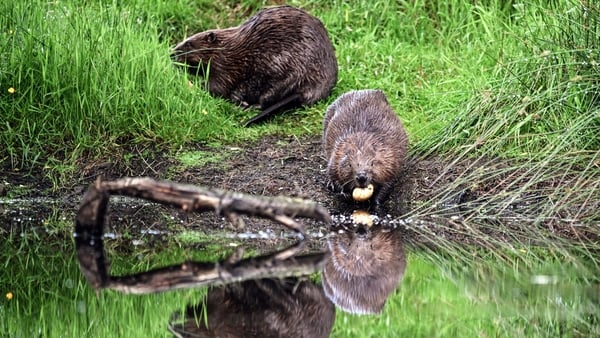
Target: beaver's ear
(211, 37)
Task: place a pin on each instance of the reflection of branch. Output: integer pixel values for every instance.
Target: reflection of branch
(90, 222)
(194, 274)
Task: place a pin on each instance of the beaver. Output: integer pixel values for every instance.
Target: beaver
(365, 267)
(365, 144)
(281, 58)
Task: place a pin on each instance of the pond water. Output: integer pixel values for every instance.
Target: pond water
(382, 280)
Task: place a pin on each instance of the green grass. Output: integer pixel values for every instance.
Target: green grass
(96, 79)
(198, 158)
(92, 78)
(542, 103)
(486, 79)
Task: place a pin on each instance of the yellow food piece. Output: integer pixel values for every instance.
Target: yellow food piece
(362, 194)
(362, 217)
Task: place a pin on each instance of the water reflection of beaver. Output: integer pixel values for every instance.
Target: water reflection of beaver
(364, 268)
(365, 144)
(279, 59)
(260, 308)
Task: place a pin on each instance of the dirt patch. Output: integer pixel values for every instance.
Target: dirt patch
(435, 200)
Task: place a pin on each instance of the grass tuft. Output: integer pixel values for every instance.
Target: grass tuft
(546, 102)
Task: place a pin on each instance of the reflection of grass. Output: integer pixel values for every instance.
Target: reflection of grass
(191, 237)
(437, 298)
(51, 298)
(448, 298)
(425, 305)
(208, 242)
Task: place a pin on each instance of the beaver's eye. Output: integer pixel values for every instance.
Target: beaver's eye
(211, 37)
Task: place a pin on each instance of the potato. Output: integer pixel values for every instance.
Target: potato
(362, 217)
(362, 194)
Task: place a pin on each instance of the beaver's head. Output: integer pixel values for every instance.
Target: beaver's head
(354, 162)
(200, 49)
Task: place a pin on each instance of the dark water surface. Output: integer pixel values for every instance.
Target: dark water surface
(365, 271)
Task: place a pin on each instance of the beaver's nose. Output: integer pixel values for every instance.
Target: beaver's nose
(361, 231)
(175, 54)
(361, 178)
(180, 50)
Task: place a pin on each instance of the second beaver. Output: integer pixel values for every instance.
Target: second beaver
(365, 144)
(279, 59)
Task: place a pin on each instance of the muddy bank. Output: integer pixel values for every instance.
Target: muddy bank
(438, 200)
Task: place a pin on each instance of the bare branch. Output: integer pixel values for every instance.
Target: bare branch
(193, 198)
(90, 221)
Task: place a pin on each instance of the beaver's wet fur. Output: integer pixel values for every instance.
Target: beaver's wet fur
(279, 59)
(364, 143)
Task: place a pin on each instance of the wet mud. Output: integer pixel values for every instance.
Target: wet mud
(427, 203)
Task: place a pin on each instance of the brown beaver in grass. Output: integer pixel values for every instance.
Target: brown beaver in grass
(279, 59)
(365, 144)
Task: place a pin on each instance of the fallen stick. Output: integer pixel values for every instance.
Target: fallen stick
(90, 221)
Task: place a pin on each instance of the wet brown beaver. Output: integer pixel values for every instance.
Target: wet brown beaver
(365, 267)
(365, 144)
(279, 59)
